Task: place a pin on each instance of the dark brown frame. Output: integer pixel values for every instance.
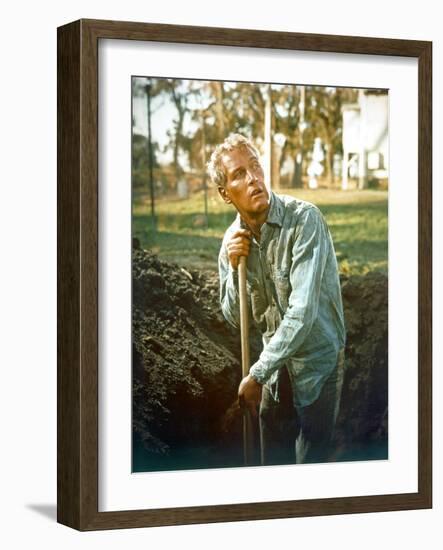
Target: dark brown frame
(77, 454)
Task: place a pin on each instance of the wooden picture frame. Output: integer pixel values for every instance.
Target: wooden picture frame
(77, 456)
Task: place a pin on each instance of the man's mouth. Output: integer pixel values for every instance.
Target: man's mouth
(256, 192)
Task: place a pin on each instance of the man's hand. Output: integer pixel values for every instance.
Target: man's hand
(249, 394)
(238, 245)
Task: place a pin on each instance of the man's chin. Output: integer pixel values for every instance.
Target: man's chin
(259, 203)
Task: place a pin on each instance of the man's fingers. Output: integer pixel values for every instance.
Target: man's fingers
(242, 233)
(234, 259)
(239, 251)
(239, 241)
(239, 245)
(249, 395)
(241, 402)
(235, 253)
(252, 408)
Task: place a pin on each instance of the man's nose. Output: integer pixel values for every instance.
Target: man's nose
(250, 176)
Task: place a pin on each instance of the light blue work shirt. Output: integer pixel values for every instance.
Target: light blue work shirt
(294, 297)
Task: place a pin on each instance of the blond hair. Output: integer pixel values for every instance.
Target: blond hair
(216, 169)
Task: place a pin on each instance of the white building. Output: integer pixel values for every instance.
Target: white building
(366, 139)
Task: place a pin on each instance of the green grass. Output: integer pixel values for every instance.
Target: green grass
(358, 221)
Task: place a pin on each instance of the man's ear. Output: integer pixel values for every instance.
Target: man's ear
(224, 195)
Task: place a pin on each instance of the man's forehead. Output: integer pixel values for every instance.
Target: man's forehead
(237, 155)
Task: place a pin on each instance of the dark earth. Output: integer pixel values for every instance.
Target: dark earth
(186, 370)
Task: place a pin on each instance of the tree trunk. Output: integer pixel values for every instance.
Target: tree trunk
(178, 131)
(217, 90)
(275, 166)
(329, 166)
(297, 174)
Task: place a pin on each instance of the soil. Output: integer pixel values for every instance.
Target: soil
(186, 368)
(363, 417)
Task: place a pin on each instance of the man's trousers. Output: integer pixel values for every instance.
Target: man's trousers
(290, 434)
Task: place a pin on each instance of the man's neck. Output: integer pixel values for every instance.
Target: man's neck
(254, 223)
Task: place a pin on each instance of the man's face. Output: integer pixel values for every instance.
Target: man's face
(245, 186)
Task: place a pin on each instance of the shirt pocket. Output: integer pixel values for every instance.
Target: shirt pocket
(283, 288)
(258, 302)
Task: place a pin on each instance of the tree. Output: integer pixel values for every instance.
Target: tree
(324, 114)
(286, 108)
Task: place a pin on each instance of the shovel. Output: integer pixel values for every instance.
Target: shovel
(248, 426)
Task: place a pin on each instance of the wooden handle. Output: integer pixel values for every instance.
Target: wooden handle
(248, 426)
(244, 320)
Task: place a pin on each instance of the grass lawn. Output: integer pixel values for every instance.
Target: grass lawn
(358, 221)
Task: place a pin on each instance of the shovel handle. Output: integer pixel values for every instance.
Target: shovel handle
(244, 314)
(248, 426)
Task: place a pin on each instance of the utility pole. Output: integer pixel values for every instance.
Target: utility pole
(267, 160)
(150, 155)
(298, 169)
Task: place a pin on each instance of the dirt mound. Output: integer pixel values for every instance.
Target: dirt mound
(186, 368)
(364, 406)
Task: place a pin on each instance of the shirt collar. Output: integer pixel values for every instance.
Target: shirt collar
(275, 214)
(276, 210)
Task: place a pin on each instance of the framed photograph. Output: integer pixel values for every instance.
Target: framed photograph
(244, 274)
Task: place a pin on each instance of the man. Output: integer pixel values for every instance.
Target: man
(295, 299)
